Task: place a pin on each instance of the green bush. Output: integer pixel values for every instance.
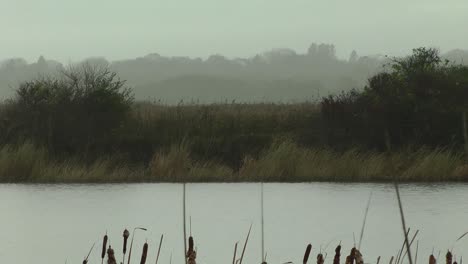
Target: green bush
(75, 112)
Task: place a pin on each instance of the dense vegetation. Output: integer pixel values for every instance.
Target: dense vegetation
(84, 125)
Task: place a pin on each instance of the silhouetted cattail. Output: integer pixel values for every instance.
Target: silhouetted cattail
(191, 254)
(448, 257)
(111, 256)
(104, 247)
(144, 254)
(358, 257)
(351, 257)
(432, 259)
(307, 254)
(320, 259)
(336, 260)
(126, 234)
(190, 244)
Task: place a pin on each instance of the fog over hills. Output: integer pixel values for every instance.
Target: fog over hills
(278, 75)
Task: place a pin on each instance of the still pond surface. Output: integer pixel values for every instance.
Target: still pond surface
(45, 224)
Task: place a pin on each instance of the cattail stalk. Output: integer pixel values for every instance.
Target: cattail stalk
(144, 254)
(307, 254)
(104, 247)
(126, 234)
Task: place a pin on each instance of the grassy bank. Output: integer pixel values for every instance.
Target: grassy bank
(283, 161)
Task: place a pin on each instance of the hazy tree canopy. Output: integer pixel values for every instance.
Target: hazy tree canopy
(73, 112)
(420, 99)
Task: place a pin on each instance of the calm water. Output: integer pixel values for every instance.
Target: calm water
(48, 224)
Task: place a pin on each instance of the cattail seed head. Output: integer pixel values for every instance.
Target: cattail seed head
(111, 256)
(432, 259)
(190, 242)
(320, 259)
(104, 246)
(307, 254)
(336, 259)
(144, 254)
(126, 234)
(448, 257)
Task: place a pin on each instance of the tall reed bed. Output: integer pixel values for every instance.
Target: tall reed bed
(282, 161)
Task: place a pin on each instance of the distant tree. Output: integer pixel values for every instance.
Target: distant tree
(419, 98)
(69, 113)
(353, 58)
(313, 49)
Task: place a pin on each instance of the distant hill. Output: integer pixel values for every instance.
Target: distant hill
(276, 75)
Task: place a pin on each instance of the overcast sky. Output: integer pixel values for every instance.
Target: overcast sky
(70, 30)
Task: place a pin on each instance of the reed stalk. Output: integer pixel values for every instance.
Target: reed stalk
(245, 244)
(85, 261)
(411, 243)
(403, 223)
(184, 224)
(364, 221)
(262, 223)
(159, 249)
(235, 253)
(416, 255)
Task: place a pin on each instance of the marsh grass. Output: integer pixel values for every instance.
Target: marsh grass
(283, 161)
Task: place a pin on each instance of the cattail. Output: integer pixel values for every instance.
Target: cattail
(320, 259)
(336, 260)
(111, 256)
(351, 257)
(378, 260)
(191, 254)
(358, 257)
(104, 246)
(448, 257)
(190, 244)
(432, 259)
(126, 234)
(144, 254)
(307, 254)
(391, 260)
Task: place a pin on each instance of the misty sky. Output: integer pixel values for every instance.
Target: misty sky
(70, 30)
